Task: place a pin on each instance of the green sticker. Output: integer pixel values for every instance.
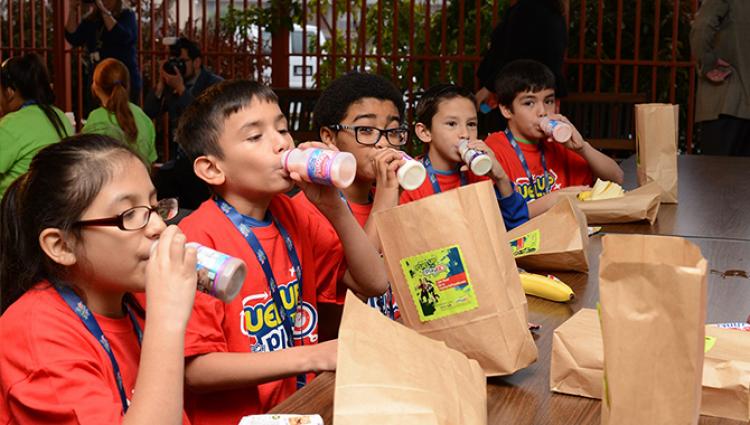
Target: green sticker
(439, 283)
(710, 342)
(526, 244)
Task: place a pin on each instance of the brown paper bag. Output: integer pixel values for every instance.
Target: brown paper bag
(454, 277)
(726, 375)
(638, 204)
(577, 365)
(656, 132)
(653, 309)
(555, 240)
(389, 374)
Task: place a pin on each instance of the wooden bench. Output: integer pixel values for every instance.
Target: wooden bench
(606, 120)
(298, 105)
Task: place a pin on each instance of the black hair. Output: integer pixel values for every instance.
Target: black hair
(202, 122)
(348, 89)
(431, 99)
(28, 76)
(520, 76)
(62, 181)
(193, 51)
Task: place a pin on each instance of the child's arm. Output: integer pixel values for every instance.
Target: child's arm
(386, 163)
(549, 200)
(364, 263)
(170, 289)
(223, 371)
(602, 166)
(497, 173)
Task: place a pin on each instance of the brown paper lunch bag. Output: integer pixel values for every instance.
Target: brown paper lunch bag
(454, 277)
(653, 308)
(553, 241)
(577, 365)
(389, 374)
(656, 132)
(637, 205)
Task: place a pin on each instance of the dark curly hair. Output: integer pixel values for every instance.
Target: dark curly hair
(348, 89)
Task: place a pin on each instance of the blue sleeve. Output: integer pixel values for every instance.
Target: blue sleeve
(125, 30)
(81, 35)
(513, 208)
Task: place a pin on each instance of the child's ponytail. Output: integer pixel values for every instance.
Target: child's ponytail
(112, 78)
(119, 104)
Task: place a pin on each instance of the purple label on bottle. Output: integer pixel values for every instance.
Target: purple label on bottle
(319, 167)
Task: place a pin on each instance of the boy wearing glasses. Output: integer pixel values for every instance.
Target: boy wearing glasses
(246, 356)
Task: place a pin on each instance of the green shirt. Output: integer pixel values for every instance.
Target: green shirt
(23, 133)
(101, 121)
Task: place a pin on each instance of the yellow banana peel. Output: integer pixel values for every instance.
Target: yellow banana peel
(547, 287)
(602, 190)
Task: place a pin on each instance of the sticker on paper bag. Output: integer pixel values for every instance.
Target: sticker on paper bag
(439, 283)
(526, 244)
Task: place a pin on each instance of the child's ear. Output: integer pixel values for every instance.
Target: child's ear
(208, 170)
(507, 112)
(327, 136)
(57, 247)
(422, 132)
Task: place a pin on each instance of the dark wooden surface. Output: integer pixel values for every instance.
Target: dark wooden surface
(712, 213)
(524, 397)
(714, 200)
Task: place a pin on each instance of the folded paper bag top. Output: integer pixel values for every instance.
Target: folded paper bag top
(410, 380)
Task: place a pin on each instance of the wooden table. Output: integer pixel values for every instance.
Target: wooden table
(524, 397)
(714, 200)
(713, 213)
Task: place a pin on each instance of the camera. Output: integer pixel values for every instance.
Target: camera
(174, 63)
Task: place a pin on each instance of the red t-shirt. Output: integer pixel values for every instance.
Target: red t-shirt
(361, 212)
(53, 369)
(446, 181)
(250, 322)
(565, 167)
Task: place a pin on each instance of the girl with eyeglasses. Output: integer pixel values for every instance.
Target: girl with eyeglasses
(28, 120)
(81, 232)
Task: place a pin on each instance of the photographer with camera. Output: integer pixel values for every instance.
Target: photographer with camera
(107, 29)
(182, 78)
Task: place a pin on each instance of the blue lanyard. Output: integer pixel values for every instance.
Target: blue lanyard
(241, 222)
(525, 165)
(77, 305)
(432, 175)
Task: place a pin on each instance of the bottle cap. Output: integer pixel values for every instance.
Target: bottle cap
(481, 165)
(411, 175)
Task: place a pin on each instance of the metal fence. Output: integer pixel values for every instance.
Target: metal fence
(614, 46)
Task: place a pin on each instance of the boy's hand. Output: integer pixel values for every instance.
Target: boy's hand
(386, 163)
(326, 198)
(323, 359)
(576, 142)
(497, 173)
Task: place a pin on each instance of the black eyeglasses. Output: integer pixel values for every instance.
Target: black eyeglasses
(367, 135)
(137, 217)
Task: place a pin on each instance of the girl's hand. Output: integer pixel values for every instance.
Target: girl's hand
(171, 280)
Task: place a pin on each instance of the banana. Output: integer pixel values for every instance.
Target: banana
(547, 287)
(585, 195)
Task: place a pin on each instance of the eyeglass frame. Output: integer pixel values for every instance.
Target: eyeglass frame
(355, 129)
(119, 220)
